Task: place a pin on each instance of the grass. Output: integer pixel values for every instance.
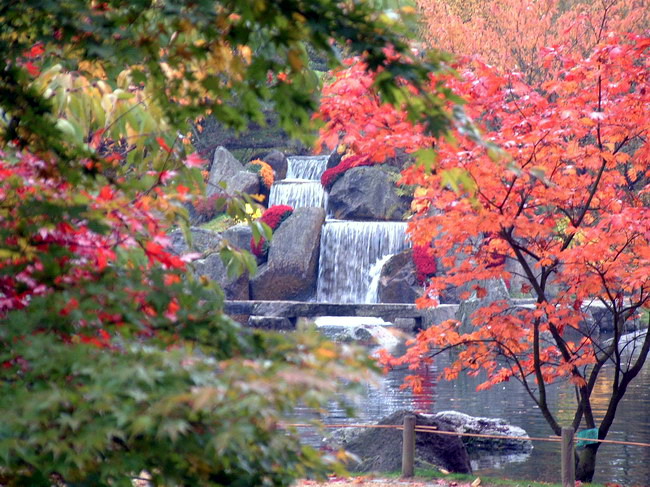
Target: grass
(428, 474)
(219, 224)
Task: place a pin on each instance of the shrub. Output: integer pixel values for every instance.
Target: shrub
(206, 208)
(264, 170)
(273, 217)
(330, 176)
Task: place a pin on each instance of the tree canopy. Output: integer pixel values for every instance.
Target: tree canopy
(554, 202)
(116, 363)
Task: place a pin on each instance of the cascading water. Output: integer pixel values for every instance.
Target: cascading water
(306, 167)
(348, 250)
(298, 193)
(302, 187)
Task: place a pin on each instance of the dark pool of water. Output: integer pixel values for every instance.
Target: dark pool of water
(628, 465)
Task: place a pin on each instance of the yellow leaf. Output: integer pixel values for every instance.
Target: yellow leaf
(476, 482)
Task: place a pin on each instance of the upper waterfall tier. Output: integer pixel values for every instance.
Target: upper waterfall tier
(298, 193)
(302, 186)
(306, 167)
(348, 250)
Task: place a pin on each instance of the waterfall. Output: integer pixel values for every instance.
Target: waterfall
(298, 193)
(372, 294)
(306, 167)
(348, 250)
(302, 186)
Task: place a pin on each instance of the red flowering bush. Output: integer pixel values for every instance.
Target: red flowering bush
(273, 217)
(330, 176)
(425, 263)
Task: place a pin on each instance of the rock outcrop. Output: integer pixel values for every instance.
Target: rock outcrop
(398, 282)
(380, 449)
(365, 193)
(211, 266)
(291, 270)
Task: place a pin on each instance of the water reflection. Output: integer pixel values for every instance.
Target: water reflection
(628, 465)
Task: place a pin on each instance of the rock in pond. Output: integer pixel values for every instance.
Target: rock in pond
(463, 423)
(365, 193)
(380, 449)
(292, 267)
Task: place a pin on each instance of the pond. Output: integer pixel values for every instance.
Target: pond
(628, 465)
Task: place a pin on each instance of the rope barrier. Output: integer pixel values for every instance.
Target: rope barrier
(433, 429)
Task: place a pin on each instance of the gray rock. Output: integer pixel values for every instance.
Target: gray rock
(365, 193)
(239, 236)
(278, 161)
(380, 449)
(398, 282)
(463, 423)
(211, 266)
(291, 270)
(244, 182)
(224, 168)
(202, 240)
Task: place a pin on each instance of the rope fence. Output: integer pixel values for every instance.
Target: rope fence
(433, 429)
(409, 428)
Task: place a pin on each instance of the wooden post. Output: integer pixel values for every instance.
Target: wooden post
(568, 458)
(408, 446)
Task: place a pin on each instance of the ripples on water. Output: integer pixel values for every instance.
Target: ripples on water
(628, 465)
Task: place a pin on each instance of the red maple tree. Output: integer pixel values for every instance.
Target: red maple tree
(561, 209)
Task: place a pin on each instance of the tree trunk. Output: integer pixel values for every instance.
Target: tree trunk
(586, 462)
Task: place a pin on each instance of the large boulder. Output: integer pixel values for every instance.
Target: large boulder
(366, 193)
(278, 161)
(210, 265)
(398, 282)
(291, 270)
(224, 168)
(380, 449)
(464, 423)
(244, 182)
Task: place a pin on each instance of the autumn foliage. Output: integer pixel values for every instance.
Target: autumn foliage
(355, 116)
(512, 35)
(264, 170)
(552, 198)
(273, 217)
(561, 207)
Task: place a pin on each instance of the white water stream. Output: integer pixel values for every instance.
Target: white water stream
(302, 187)
(348, 250)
